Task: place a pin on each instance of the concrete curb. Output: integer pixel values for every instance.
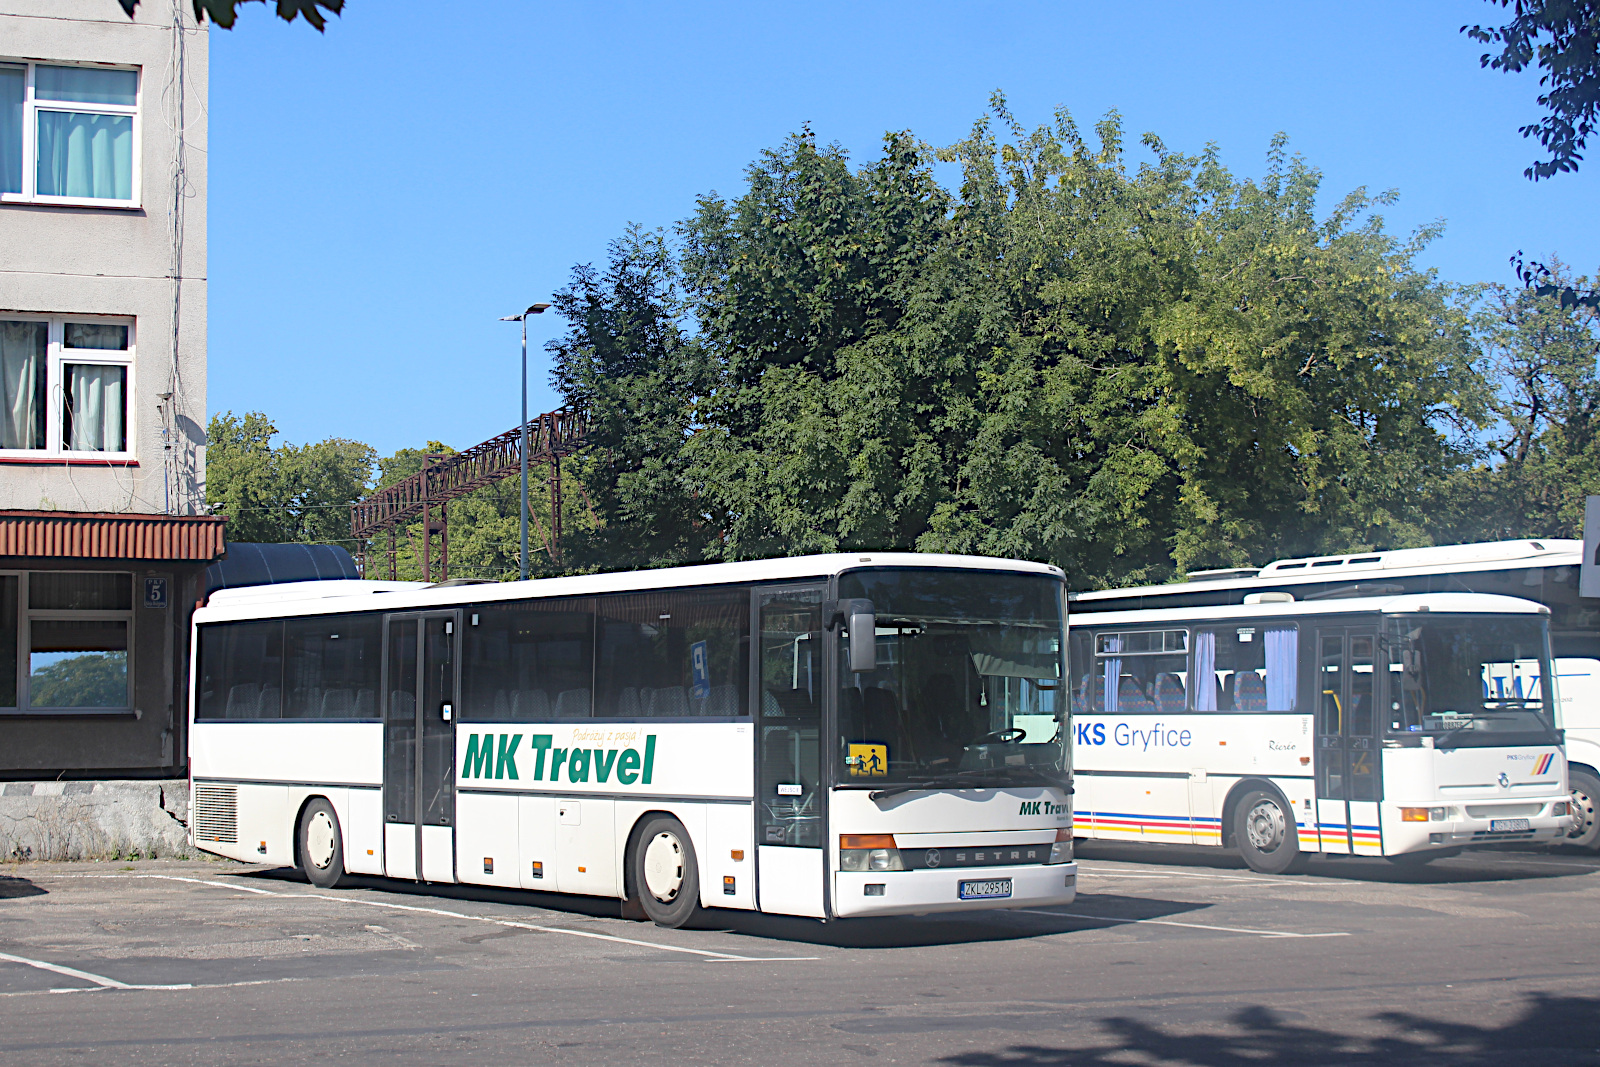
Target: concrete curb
(94, 820)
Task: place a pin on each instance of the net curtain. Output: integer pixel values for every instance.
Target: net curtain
(95, 408)
(13, 81)
(23, 346)
(1205, 671)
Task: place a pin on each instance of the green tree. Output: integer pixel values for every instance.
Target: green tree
(1542, 451)
(224, 12)
(1561, 37)
(1128, 370)
(283, 493)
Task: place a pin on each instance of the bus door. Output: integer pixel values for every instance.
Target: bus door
(420, 697)
(1347, 742)
(790, 857)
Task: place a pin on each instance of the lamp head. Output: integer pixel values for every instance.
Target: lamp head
(533, 309)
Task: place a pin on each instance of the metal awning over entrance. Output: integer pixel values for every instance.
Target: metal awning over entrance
(87, 535)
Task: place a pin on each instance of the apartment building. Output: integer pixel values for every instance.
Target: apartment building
(103, 531)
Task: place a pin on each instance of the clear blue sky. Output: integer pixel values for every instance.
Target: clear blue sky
(381, 193)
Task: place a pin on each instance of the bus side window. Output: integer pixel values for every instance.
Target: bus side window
(1246, 668)
(529, 661)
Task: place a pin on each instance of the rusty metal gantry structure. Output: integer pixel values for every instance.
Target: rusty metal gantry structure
(550, 437)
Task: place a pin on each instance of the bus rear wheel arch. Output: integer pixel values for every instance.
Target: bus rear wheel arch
(663, 873)
(1261, 826)
(319, 844)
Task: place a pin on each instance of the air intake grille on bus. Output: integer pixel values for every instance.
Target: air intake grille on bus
(216, 813)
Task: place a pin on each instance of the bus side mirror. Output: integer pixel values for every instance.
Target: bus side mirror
(860, 618)
(863, 636)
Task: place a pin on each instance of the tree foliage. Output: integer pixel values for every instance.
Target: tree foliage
(1128, 369)
(224, 12)
(274, 492)
(1563, 38)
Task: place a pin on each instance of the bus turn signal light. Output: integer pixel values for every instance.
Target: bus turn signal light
(1422, 814)
(867, 841)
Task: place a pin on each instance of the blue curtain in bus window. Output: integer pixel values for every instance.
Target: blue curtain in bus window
(1205, 671)
(1283, 658)
(1112, 670)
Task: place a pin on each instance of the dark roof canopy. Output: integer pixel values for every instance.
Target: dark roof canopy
(271, 564)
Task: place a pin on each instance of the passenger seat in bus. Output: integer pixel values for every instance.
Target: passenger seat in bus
(1249, 691)
(1170, 696)
(721, 702)
(668, 702)
(573, 704)
(1131, 697)
(244, 701)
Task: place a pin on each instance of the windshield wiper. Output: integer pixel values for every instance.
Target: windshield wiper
(968, 777)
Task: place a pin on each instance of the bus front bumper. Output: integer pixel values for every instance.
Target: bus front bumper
(1479, 822)
(858, 894)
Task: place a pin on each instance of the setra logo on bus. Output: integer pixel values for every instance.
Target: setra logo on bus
(495, 756)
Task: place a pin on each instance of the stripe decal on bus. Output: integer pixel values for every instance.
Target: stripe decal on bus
(1168, 825)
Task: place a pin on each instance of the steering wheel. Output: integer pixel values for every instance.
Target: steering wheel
(1003, 737)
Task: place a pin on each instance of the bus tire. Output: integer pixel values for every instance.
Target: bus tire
(321, 844)
(664, 872)
(1586, 803)
(1265, 833)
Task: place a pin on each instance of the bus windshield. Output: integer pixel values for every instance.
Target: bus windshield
(1471, 681)
(968, 689)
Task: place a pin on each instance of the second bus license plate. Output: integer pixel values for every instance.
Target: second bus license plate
(993, 889)
(1509, 826)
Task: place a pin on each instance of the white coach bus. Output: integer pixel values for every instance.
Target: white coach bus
(826, 736)
(1389, 726)
(1545, 571)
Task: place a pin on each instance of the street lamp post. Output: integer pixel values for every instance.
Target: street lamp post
(533, 309)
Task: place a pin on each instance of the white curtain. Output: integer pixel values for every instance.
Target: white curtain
(85, 155)
(1205, 671)
(1283, 660)
(12, 82)
(95, 408)
(23, 347)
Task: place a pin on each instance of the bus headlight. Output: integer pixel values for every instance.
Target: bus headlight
(1061, 851)
(869, 852)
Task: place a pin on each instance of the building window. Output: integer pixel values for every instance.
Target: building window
(65, 385)
(68, 134)
(65, 642)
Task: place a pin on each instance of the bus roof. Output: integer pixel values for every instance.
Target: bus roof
(1454, 603)
(1442, 559)
(317, 598)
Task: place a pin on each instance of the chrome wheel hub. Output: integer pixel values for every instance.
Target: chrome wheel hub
(1266, 826)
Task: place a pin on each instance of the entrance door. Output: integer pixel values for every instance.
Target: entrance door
(790, 859)
(419, 746)
(1348, 783)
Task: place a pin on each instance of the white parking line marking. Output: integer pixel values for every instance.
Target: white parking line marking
(1169, 922)
(72, 972)
(1105, 872)
(715, 957)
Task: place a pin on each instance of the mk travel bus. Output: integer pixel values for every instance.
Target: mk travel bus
(1545, 571)
(826, 736)
(1399, 726)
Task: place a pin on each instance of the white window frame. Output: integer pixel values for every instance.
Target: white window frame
(30, 135)
(57, 356)
(25, 617)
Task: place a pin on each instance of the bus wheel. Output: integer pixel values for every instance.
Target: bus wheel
(665, 873)
(1586, 806)
(1265, 832)
(321, 845)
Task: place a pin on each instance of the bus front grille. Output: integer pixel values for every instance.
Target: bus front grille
(216, 813)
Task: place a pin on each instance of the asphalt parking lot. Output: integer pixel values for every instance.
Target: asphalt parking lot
(1170, 956)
